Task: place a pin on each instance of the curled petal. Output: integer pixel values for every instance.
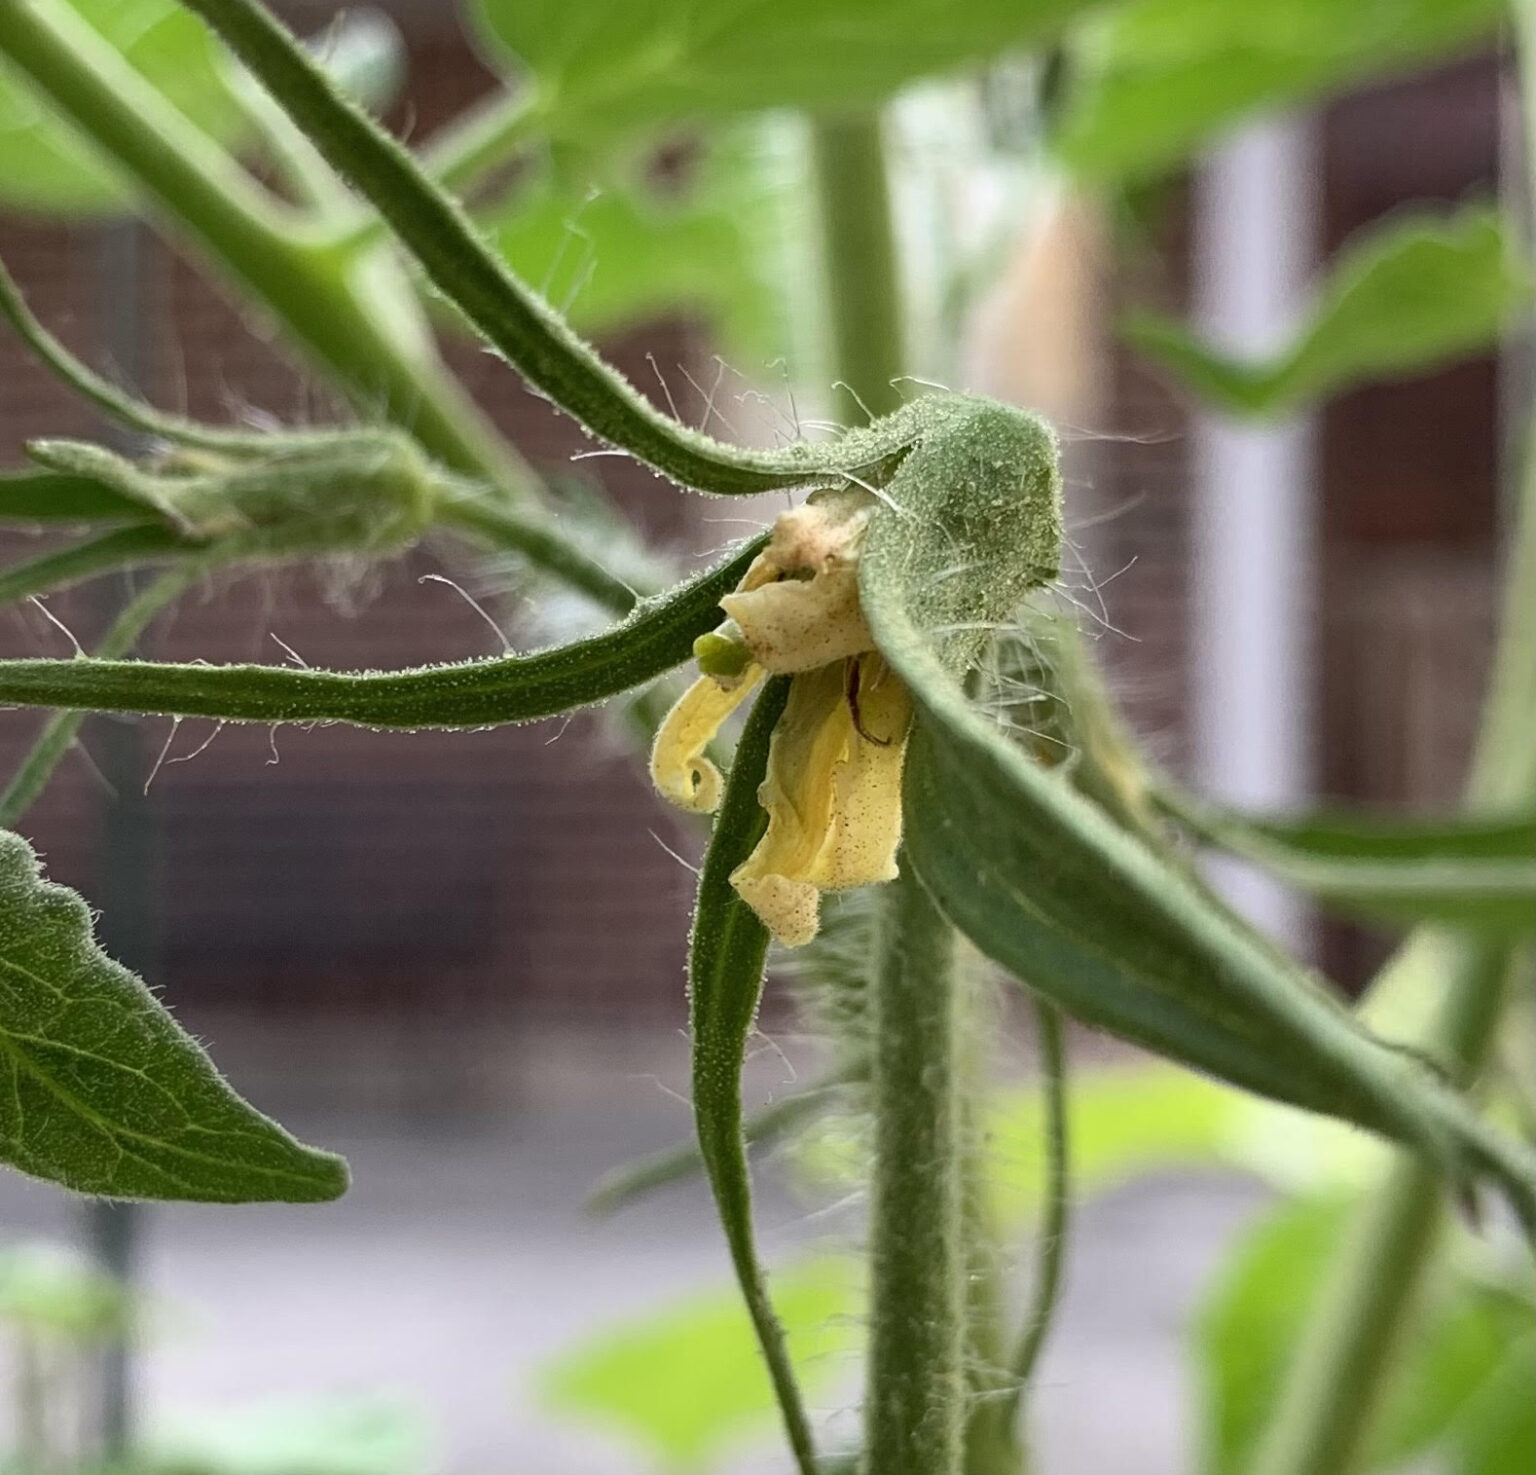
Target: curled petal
(833, 794)
(798, 624)
(679, 768)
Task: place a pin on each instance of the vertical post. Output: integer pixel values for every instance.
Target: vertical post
(1254, 593)
(124, 884)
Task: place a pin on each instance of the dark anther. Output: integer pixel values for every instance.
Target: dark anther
(851, 691)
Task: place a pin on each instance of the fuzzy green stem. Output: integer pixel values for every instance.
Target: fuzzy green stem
(1344, 1365)
(512, 317)
(864, 291)
(916, 1393)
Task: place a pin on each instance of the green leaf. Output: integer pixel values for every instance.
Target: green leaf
(1245, 1334)
(99, 1088)
(46, 167)
(347, 1437)
(518, 688)
(687, 1382)
(1122, 1124)
(1449, 1389)
(617, 254)
(55, 496)
(1475, 872)
(1498, 1434)
(1164, 76)
(608, 67)
(727, 952)
(1403, 297)
(49, 1291)
(1046, 884)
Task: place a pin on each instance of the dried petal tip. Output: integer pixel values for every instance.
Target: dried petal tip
(798, 606)
(679, 768)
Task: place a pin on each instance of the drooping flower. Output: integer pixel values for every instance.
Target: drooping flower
(833, 787)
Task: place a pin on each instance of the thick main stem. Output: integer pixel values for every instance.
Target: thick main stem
(915, 1399)
(1344, 1366)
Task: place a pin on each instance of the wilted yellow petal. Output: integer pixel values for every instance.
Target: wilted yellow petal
(833, 795)
(679, 768)
(798, 624)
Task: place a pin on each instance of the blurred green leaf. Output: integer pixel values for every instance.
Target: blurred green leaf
(1475, 872)
(310, 1438)
(687, 1382)
(1450, 1391)
(1497, 1434)
(1122, 1123)
(605, 67)
(622, 253)
(46, 167)
(48, 1290)
(1246, 1332)
(1161, 77)
(102, 1091)
(1402, 297)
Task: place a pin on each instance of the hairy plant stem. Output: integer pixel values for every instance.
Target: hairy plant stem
(1344, 1366)
(915, 1399)
(348, 311)
(916, 1393)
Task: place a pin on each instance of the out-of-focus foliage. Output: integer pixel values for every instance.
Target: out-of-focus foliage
(308, 1438)
(624, 251)
(604, 67)
(50, 1293)
(1403, 297)
(46, 167)
(688, 1382)
(1160, 78)
(1462, 1391)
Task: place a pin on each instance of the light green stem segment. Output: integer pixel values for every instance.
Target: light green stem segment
(1344, 1365)
(863, 291)
(914, 1414)
(195, 187)
(58, 733)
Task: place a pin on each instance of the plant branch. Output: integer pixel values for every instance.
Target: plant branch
(58, 734)
(536, 339)
(149, 543)
(1052, 1232)
(194, 187)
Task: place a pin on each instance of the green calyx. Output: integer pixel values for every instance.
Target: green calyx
(369, 492)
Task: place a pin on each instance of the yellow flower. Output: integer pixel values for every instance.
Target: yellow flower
(833, 787)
